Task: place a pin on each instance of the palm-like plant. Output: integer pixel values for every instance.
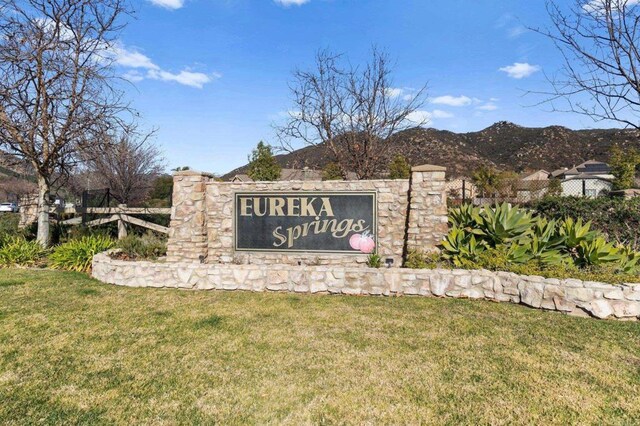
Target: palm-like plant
(460, 245)
(504, 224)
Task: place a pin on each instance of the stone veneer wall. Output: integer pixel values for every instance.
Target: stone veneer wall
(574, 297)
(201, 227)
(392, 201)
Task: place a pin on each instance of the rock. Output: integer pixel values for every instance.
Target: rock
(600, 308)
(616, 294)
(472, 293)
(634, 295)
(579, 294)
(439, 284)
(531, 294)
(184, 275)
(624, 309)
(563, 304)
(318, 287)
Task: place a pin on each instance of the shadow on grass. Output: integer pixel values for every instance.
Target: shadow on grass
(212, 321)
(88, 291)
(11, 283)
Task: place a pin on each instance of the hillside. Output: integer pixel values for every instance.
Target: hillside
(503, 145)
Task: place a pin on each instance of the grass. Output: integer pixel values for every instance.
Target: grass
(75, 351)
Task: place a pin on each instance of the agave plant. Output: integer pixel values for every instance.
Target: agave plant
(546, 242)
(465, 217)
(460, 245)
(504, 224)
(597, 252)
(629, 260)
(575, 233)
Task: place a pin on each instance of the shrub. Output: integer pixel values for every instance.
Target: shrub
(512, 239)
(332, 171)
(399, 168)
(419, 260)
(617, 218)
(17, 251)
(76, 255)
(147, 246)
(9, 223)
(374, 260)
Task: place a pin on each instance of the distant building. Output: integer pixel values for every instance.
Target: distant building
(540, 175)
(589, 179)
(461, 188)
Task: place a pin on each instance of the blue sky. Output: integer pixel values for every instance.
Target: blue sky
(212, 75)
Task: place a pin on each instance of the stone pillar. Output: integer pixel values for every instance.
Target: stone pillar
(427, 221)
(28, 205)
(188, 229)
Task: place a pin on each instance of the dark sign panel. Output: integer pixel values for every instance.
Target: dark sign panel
(337, 222)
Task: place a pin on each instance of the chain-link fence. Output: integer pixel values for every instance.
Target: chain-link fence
(96, 198)
(520, 191)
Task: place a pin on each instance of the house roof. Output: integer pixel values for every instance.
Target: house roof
(590, 167)
(241, 178)
(536, 175)
(584, 176)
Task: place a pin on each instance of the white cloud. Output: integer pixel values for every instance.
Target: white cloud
(520, 70)
(419, 117)
(394, 92)
(187, 78)
(489, 106)
(287, 3)
(423, 118)
(129, 58)
(133, 76)
(437, 113)
(168, 4)
(132, 59)
(455, 101)
(597, 6)
(516, 31)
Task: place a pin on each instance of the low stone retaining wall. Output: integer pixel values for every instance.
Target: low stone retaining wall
(574, 297)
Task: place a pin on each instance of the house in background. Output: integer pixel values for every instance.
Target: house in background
(461, 188)
(540, 175)
(589, 179)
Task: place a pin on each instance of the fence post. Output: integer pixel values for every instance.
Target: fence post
(584, 188)
(464, 191)
(122, 227)
(84, 203)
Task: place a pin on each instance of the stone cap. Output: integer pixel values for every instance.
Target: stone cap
(193, 173)
(428, 168)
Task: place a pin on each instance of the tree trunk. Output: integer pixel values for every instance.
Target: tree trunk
(43, 211)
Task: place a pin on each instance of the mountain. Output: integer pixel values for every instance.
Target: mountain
(503, 145)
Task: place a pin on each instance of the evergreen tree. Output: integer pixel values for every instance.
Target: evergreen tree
(623, 165)
(262, 164)
(555, 188)
(332, 171)
(399, 168)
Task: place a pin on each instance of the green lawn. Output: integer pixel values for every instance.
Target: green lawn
(73, 350)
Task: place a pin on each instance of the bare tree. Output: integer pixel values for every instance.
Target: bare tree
(351, 111)
(57, 91)
(599, 41)
(128, 165)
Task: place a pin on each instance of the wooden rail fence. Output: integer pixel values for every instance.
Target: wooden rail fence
(122, 214)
